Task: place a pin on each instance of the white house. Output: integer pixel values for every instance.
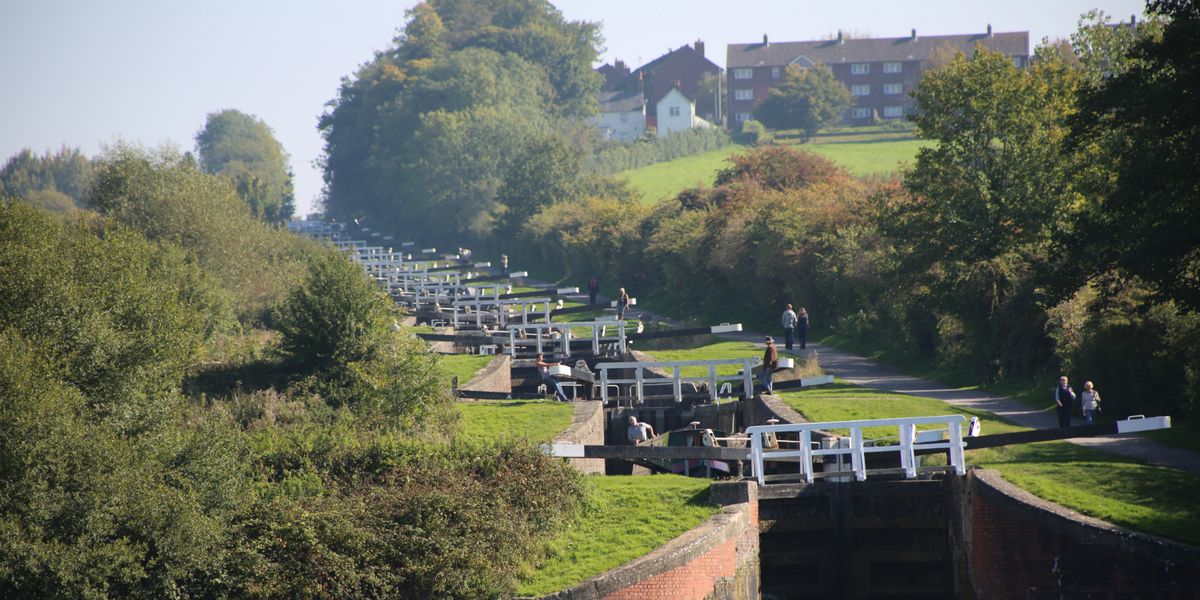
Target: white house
(622, 116)
(675, 112)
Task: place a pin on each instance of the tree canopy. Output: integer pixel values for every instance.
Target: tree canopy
(244, 149)
(423, 138)
(807, 99)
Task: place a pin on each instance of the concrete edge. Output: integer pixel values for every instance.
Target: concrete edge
(500, 365)
(782, 411)
(688, 546)
(993, 487)
(584, 411)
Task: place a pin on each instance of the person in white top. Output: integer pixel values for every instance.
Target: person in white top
(1089, 400)
(639, 433)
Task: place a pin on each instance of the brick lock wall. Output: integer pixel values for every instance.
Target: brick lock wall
(1022, 547)
(692, 581)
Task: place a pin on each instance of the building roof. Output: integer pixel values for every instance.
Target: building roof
(620, 101)
(648, 68)
(829, 52)
(613, 74)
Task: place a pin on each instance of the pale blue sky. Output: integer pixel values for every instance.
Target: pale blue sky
(86, 73)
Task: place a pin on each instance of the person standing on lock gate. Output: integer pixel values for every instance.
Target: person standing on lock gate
(789, 326)
(593, 289)
(1064, 400)
(802, 328)
(622, 304)
(504, 265)
(770, 361)
(548, 379)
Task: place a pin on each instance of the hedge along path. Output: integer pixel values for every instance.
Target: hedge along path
(861, 371)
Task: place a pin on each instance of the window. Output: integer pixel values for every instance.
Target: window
(860, 69)
(742, 117)
(860, 90)
(860, 112)
(891, 112)
(892, 67)
(743, 73)
(673, 111)
(774, 72)
(891, 89)
(747, 94)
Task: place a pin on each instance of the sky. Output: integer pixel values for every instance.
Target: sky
(86, 73)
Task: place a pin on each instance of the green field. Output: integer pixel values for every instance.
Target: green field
(463, 366)
(537, 420)
(862, 151)
(1119, 490)
(714, 351)
(627, 517)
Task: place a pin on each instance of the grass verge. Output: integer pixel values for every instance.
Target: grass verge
(1116, 489)
(463, 366)
(666, 179)
(627, 517)
(537, 420)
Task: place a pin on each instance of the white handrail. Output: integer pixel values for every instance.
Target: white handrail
(676, 379)
(857, 451)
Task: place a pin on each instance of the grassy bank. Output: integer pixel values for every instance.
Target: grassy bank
(463, 366)
(627, 517)
(666, 179)
(537, 420)
(1119, 490)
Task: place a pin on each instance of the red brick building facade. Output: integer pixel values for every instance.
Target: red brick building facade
(880, 73)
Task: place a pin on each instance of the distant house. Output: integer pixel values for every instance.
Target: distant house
(682, 70)
(622, 116)
(676, 112)
(879, 72)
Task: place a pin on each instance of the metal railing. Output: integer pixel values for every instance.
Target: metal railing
(543, 336)
(910, 442)
(676, 379)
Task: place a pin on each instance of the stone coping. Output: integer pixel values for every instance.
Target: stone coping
(993, 487)
(692, 544)
(585, 411)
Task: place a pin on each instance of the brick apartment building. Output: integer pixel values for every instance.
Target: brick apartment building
(879, 72)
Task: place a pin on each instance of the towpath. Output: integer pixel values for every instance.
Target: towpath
(862, 371)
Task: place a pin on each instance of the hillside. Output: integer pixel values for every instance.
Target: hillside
(861, 150)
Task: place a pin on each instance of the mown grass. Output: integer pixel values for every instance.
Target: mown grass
(862, 151)
(844, 402)
(713, 351)
(537, 420)
(1119, 490)
(666, 179)
(463, 366)
(627, 517)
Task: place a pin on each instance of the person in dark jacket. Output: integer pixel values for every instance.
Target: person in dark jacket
(1064, 399)
(593, 289)
(770, 361)
(802, 328)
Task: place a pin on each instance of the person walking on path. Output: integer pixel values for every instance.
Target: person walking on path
(770, 361)
(1064, 400)
(593, 289)
(548, 379)
(1089, 399)
(622, 304)
(639, 433)
(802, 328)
(789, 327)
(504, 265)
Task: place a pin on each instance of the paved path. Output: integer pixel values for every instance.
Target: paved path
(867, 373)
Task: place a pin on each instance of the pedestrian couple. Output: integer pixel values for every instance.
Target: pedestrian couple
(795, 326)
(1065, 399)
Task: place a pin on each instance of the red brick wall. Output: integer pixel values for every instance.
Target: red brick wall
(1021, 547)
(694, 580)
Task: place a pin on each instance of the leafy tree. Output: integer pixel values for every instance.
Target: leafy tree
(988, 204)
(1145, 221)
(549, 171)
(55, 181)
(807, 99)
(243, 148)
(1104, 49)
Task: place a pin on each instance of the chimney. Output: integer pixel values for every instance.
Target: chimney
(765, 42)
(841, 40)
(914, 35)
(699, 46)
(619, 65)
(989, 33)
